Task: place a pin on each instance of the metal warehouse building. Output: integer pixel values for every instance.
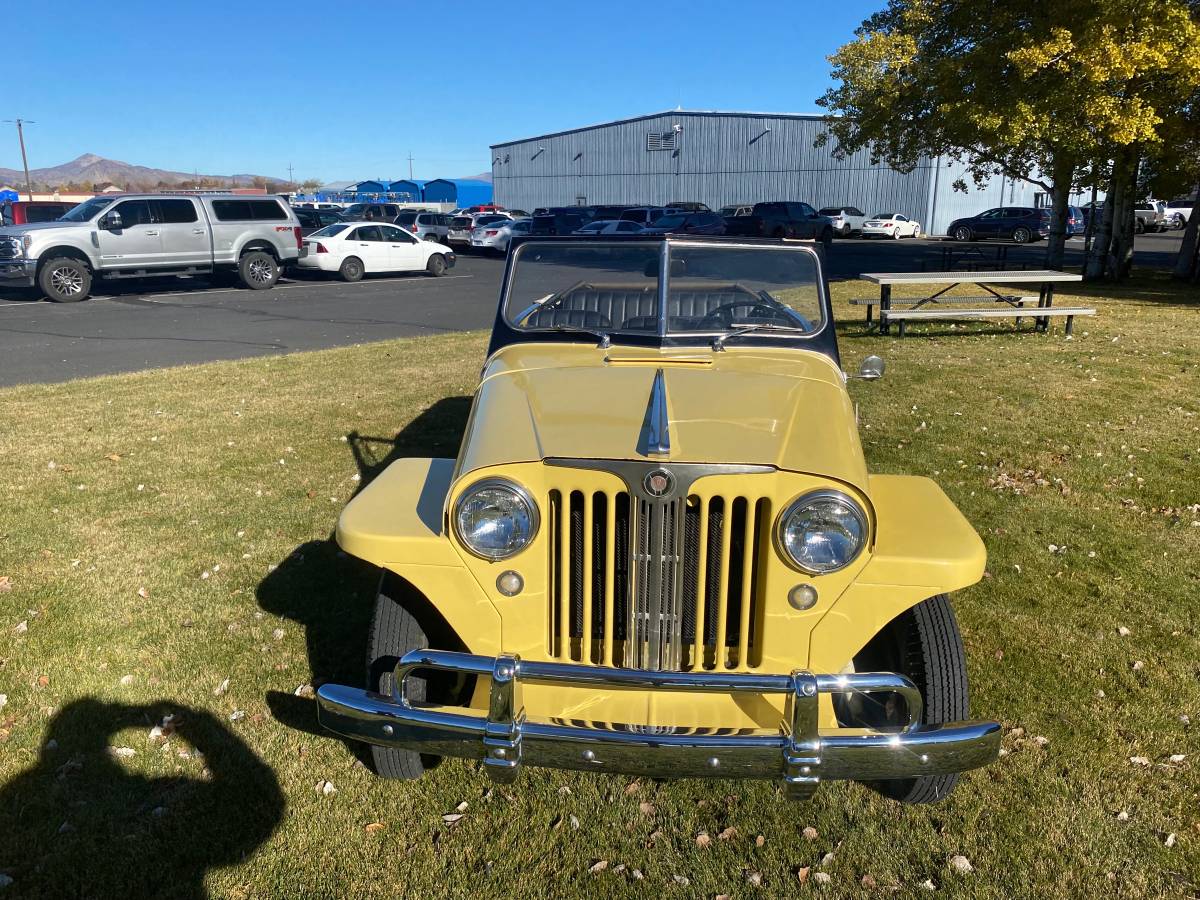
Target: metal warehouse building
(722, 158)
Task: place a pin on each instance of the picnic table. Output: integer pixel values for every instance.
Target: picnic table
(995, 304)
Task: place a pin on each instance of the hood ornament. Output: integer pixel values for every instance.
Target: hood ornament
(655, 437)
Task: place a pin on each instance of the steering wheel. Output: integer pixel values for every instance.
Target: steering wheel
(723, 314)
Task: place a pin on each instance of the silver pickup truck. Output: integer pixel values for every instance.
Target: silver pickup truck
(144, 235)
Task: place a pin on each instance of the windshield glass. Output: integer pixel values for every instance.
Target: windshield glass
(406, 218)
(831, 211)
(330, 230)
(882, 215)
(669, 221)
(604, 287)
(86, 210)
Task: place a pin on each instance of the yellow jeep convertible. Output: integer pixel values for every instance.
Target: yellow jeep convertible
(659, 551)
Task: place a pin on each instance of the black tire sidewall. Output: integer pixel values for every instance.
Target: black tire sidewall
(932, 655)
(436, 266)
(394, 632)
(962, 234)
(1021, 235)
(58, 263)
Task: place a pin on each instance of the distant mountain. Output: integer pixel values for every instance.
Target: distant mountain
(98, 170)
(486, 176)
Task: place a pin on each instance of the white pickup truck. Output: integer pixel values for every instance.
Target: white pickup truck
(145, 235)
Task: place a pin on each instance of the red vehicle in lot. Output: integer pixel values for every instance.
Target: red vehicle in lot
(26, 212)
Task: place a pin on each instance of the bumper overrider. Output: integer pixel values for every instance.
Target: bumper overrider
(799, 753)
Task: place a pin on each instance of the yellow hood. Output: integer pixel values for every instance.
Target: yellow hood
(778, 407)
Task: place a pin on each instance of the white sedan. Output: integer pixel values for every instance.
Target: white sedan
(354, 249)
(891, 225)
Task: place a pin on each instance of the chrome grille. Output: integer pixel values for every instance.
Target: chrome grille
(10, 248)
(660, 585)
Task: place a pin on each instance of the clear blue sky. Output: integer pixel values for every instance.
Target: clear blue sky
(346, 89)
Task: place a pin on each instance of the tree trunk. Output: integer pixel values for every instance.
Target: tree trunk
(1123, 247)
(1098, 265)
(1185, 265)
(1064, 178)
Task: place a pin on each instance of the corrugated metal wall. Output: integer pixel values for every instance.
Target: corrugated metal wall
(724, 158)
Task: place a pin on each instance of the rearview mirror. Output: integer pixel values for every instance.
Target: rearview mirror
(110, 222)
(871, 368)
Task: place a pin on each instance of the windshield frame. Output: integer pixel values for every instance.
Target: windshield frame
(821, 340)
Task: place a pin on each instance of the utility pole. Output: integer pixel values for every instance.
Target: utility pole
(291, 179)
(21, 123)
(410, 165)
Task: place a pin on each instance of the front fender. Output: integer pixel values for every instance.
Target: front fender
(396, 523)
(923, 546)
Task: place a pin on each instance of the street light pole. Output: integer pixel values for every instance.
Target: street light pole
(20, 123)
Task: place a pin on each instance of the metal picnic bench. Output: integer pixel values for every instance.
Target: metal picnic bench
(1001, 305)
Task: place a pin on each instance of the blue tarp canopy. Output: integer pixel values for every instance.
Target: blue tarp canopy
(461, 192)
(411, 190)
(368, 187)
(7, 195)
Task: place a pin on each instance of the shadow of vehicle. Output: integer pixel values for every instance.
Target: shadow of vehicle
(332, 594)
(79, 823)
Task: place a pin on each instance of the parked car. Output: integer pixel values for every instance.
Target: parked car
(484, 208)
(355, 249)
(744, 209)
(517, 213)
(1076, 223)
(782, 220)
(385, 212)
(647, 215)
(687, 223)
(890, 225)
(845, 219)
(1019, 224)
(28, 212)
(689, 206)
(314, 219)
(140, 235)
(1180, 211)
(497, 235)
(462, 227)
(1149, 215)
(611, 226)
(637, 567)
(425, 225)
(560, 219)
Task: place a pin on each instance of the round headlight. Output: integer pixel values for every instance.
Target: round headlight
(495, 518)
(822, 532)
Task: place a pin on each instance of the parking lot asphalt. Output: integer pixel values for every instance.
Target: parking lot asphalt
(133, 325)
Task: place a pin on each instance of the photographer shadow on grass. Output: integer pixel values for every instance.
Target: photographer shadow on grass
(332, 594)
(82, 821)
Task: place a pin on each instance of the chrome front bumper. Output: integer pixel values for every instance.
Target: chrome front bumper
(800, 753)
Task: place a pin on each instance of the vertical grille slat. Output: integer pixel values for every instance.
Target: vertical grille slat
(666, 585)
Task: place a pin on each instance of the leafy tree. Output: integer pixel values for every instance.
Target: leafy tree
(1037, 92)
(309, 185)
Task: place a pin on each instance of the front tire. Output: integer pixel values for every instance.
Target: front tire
(1022, 235)
(65, 280)
(924, 644)
(962, 234)
(436, 266)
(394, 632)
(258, 270)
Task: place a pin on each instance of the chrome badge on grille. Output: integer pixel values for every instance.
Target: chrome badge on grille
(658, 483)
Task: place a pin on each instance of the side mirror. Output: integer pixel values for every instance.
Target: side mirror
(871, 368)
(110, 222)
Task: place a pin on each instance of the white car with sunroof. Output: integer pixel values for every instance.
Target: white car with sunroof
(355, 249)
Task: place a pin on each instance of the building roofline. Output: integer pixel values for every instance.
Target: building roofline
(658, 115)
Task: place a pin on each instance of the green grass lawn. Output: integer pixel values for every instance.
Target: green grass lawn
(164, 550)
